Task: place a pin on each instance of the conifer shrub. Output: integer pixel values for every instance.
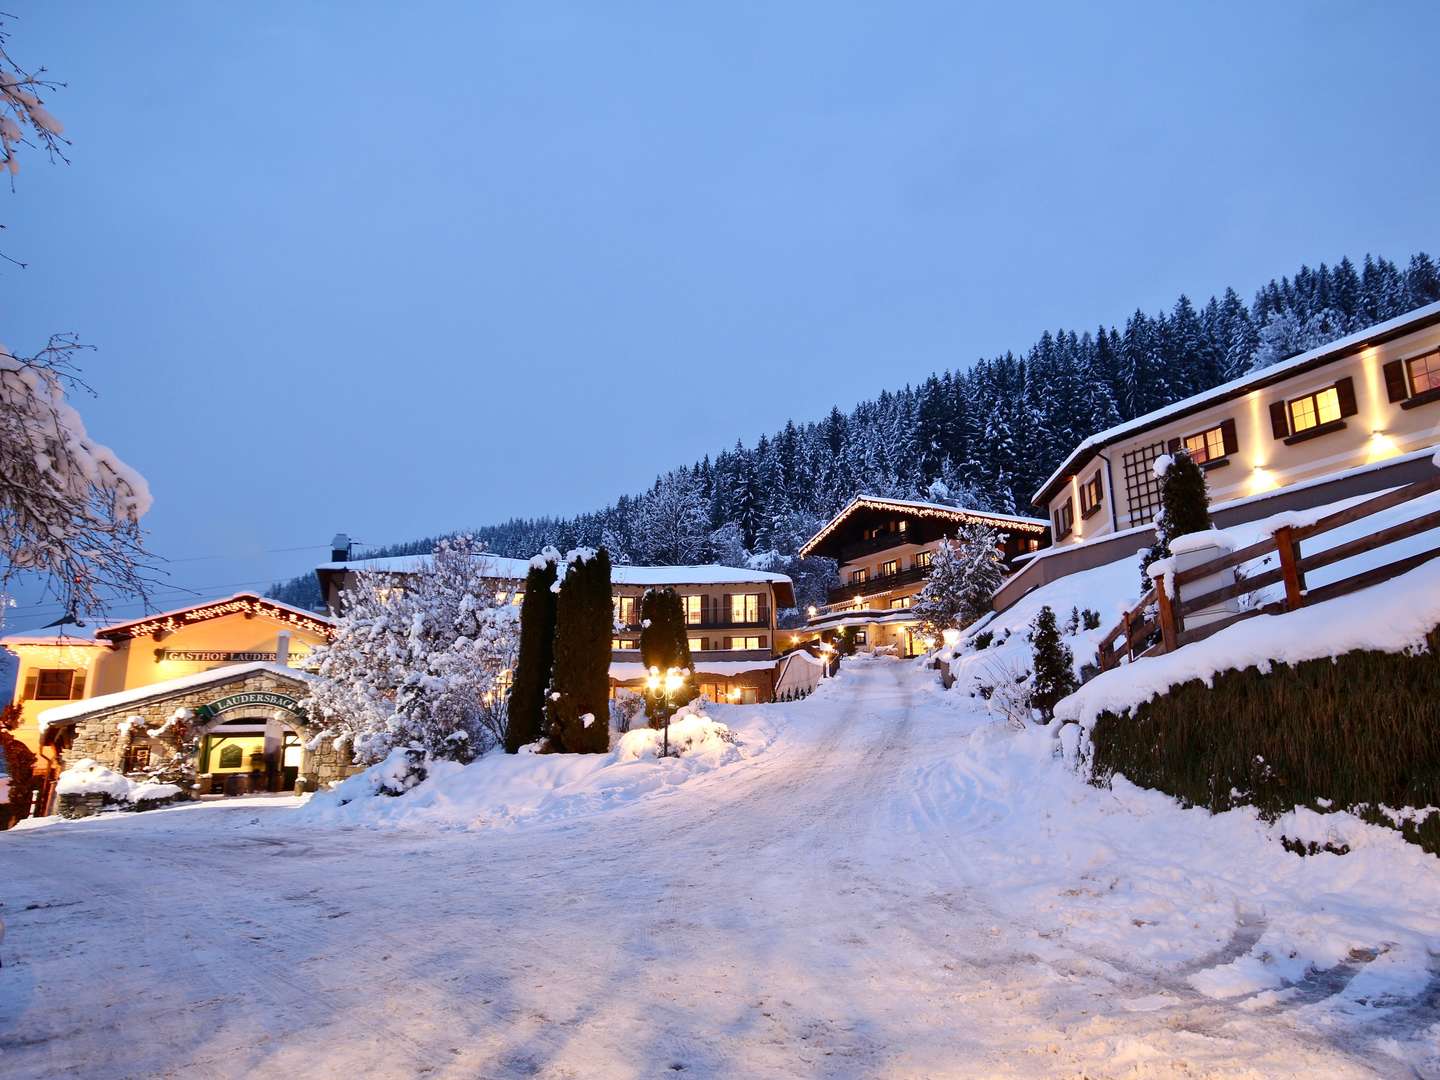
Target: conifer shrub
(1360, 732)
(665, 643)
(526, 722)
(578, 706)
(1054, 664)
(1184, 508)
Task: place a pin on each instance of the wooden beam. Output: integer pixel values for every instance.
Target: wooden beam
(1289, 549)
(1370, 506)
(1371, 541)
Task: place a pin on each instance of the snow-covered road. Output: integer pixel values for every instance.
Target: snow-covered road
(895, 887)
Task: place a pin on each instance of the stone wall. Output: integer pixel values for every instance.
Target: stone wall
(102, 735)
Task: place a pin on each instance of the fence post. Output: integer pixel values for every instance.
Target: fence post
(1169, 634)
(1290, 567)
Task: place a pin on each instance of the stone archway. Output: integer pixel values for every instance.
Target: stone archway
(112, 729)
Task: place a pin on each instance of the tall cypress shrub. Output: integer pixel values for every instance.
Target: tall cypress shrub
(1184, 508)
(578, 708)
(665, 643)
(526, 714)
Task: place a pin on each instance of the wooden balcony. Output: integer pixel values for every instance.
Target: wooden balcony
(717, 617)
(883, 583)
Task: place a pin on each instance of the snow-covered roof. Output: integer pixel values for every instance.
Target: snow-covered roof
(839, 619)
(1255, 380)
(625, 670)
(923, 509)
(32, 638)
(241, 603)
(639, 576)
(227, 673)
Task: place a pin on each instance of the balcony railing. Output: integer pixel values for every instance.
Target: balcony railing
(883, 583)
(717, 617)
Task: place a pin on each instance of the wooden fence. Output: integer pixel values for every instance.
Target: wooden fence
(1159, 613)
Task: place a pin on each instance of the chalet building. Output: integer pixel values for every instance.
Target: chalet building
(1345, 407)
(731, 614)
(225, 663)
(884, 548)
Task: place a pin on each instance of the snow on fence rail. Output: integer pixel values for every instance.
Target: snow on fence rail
(1137, 627)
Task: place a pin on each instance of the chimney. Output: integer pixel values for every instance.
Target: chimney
(282, 648)
(340, 548)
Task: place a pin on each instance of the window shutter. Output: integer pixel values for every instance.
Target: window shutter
(77, 686)
(1345, 390)
(1395, 388)
(1278, 422)
(1227, 432)
(32, 683)
(1172, 446)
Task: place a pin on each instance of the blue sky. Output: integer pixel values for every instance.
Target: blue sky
(397, 269)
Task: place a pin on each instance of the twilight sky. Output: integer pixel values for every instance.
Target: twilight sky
(395, 269)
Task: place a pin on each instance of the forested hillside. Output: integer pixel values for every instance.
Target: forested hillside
(986, 436)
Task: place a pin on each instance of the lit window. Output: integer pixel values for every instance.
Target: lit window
(1208, 445)
(899, 603)
(858, 577)
(501, 596)
(693, 615)
(619, 643)
(697, 644)
(743, 643)
(1312, 410)
(923, 559)
(903, 526)
(890, 569)
(625, 610)
(860, 637)
(1092, 494)
(745, 608)
(1425, 373)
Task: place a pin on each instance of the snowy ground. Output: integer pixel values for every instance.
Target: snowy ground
(895, 886)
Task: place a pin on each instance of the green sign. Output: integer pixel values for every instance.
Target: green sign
(248, 699)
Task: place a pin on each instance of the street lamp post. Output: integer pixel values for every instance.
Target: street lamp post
(669, 683)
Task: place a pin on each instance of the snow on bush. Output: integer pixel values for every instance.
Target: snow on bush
(500, 789)
(88, 777)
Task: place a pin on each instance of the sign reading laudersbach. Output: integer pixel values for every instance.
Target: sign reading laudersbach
(250, 698)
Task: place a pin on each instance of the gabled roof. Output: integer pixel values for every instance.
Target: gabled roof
(960, 515)
(239, 604)
(507, 569)
(61, 714)
(1408, 323)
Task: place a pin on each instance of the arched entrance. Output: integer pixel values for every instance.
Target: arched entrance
(249, 743)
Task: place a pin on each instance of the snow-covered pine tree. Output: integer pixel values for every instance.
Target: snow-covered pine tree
(964, 574)
(1054, 664)
(1184, 507)
(579, 701)
(536, 654)
(672, 527)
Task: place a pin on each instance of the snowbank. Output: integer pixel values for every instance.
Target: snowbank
(88, 777)
(500, 790)
(1392, 617)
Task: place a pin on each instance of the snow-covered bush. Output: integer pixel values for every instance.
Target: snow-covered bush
(88, 777)
(426, 662)
(1003, 682)
(626, 708)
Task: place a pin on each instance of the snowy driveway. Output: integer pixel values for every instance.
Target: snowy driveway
(894, 888)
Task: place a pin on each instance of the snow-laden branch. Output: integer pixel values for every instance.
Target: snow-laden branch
(70, 508)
